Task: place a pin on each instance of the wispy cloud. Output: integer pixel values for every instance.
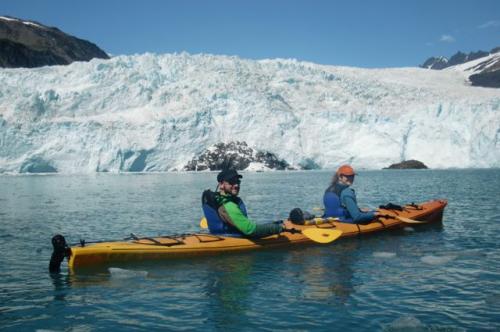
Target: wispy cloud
(447, 39)
(490, 24)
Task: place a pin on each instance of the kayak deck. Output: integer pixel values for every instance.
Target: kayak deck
(184, 245)
(430, 212)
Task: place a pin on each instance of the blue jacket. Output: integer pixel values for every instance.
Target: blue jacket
(345, 205)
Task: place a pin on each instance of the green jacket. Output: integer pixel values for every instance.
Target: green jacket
(230, 212)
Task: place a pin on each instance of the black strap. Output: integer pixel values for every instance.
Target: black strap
(209, 198)
(391, 206)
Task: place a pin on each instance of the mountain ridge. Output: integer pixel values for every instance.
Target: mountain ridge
(30, 44)
(486, 73)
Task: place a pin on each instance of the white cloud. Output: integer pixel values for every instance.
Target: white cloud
(489, 24)
(447, 39)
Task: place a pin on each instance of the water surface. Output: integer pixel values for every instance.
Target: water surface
(437, 278)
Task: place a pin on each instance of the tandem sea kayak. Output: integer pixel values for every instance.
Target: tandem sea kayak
(188, 245)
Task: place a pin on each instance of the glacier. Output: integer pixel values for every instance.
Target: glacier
(153, 112)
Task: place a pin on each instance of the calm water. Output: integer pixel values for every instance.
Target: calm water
(424, 279)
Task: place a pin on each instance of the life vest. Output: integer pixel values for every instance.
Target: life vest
(334, 208)
(210, 205)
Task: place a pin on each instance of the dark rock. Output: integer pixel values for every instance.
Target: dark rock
(457, 58)
(31, 44)
(435, 63)
(487, 79)
(408, 164)
(237, 155)
(476, 55)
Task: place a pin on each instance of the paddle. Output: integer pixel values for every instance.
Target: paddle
(314, 221)
(203, 223)
(319, 235)
(403, 219)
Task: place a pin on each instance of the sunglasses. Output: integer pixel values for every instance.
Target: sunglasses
(233, 181)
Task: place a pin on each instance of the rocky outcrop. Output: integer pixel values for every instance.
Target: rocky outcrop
(487, 80)
(237, 155)
(408, 164)
(489, 75)
(31, 44)
(435, 63)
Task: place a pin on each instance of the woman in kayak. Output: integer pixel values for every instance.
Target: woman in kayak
(226, 213)
(340, 200)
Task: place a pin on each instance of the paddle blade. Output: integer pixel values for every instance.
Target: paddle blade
(403, 219)
(203, 223)
(322, 235)
(409, 221)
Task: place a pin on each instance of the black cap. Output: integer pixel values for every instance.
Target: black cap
(228, 174)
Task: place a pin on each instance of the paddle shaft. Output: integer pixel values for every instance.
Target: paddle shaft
(403, 219)
(319, 235)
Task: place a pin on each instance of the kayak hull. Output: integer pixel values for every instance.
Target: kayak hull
(188, 245)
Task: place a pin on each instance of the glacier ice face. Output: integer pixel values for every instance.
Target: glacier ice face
(156, 112)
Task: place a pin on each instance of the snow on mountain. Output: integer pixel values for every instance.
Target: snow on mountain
(435, 63)
(480, 68)
(483, 72)
(12, 19)
(157, 112)
(480, 65)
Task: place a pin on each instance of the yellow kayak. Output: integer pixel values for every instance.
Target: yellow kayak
(188, 245)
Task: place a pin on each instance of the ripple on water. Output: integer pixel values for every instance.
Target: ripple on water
(437, 260)
(384, 254)
(412, 324)
(117, 272)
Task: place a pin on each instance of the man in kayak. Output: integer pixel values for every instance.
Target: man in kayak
(340, 200)
(226, 213)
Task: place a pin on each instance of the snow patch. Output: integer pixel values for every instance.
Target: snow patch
(20, 21)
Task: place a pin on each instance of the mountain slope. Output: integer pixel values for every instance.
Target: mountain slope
(161, 111)
(482, 67)
(31, 44)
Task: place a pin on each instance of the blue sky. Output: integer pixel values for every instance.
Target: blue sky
(367, 33)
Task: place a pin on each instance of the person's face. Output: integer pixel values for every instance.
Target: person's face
(346, 179)
(231, 186)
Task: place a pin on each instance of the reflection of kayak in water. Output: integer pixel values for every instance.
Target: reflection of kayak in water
(167, 247)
